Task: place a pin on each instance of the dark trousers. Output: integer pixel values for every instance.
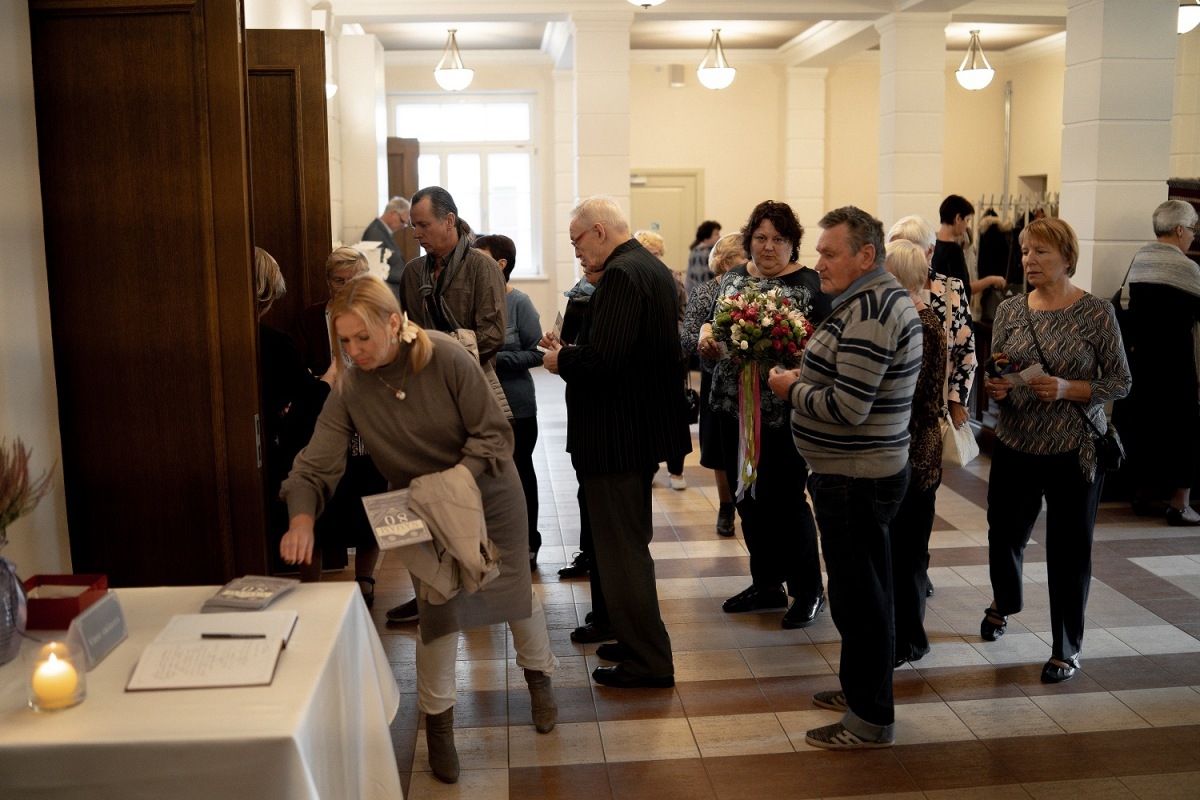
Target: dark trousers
(854, 515)
(1017, 484)
(777, 521)
(909, 541)
(620, 510)
(525, 435)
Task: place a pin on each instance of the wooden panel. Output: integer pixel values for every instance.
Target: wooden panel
(143, 166)
(289, 162)
(402, 182)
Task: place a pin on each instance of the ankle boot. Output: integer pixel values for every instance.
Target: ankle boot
(541, 699)
(725, 519)
(439, 736)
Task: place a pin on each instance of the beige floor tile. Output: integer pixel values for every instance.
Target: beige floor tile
(725, 586)
(922, 723)
(797, 659)
(1176, 786)
(482, 675)
(478, 748)
(555, 592)
(1010, 716)
(1152, 639)
(1099, 642)
(717, 548)
(739, 735)
(1092, 789)
(648, 740)
(568, 743)
(1014, 648)
(472, 783)
(953, 654)
(675, 588)
(661, 551)
(716, 665)
(572, 672)
(700, 636)
(1169, 566)
(1089, 711)
(1179, 705)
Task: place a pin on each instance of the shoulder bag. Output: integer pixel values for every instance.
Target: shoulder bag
(959, 447)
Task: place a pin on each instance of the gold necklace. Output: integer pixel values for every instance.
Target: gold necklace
(400, 394)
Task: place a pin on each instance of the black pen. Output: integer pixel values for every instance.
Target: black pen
(233, 636)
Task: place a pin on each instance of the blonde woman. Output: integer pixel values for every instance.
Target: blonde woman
(422, 405)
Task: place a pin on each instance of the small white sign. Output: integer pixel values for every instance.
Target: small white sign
(98, 630)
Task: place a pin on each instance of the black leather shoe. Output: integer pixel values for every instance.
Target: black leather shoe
(1179, 517)
(620, 678)
(405, 612)
(993, 625)
(614, 652)
(725, 520)
(803, 612)
(578, 568)
(1057, 673)
(929, 589)
(755, 599)
(590, 634)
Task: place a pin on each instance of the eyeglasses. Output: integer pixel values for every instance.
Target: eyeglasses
(575, 242)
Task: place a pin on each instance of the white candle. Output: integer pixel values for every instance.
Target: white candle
(54, 683)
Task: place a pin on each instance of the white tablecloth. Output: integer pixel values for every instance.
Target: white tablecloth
(320, 730)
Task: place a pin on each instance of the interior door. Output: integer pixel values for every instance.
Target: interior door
(667, 202)
(402, 182)
(142, 152)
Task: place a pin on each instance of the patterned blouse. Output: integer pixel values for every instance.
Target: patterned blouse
(925, 447)
(699, 311)
(804, 288)
(1080, 342)
(949, 292)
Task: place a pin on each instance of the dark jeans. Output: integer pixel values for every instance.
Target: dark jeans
(1017, 484)
(776, 519)
(909, 540)
(620, 510)
(854, 516)
(525, 434)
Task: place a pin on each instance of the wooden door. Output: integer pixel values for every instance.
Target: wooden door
(289, 162)
(667, 202)
(402, 182)
(142, 152)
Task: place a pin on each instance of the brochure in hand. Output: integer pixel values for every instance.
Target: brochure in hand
(394, 523)
(249, 593)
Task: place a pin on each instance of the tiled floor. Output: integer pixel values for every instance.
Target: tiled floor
(973, 720)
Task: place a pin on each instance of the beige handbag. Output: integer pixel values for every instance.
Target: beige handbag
(466, 337)
(959, 447)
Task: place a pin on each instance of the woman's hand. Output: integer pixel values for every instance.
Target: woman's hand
(1047, 388)
(709, 348)
(997, 282)
(297, 544)
(996, 388)
(958, 413)
(781, 381)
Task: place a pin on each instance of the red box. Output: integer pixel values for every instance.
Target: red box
(69, 595)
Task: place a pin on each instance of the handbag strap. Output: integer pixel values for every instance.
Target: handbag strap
(1042, 356)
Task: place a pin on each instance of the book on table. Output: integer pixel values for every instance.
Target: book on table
(249, 593)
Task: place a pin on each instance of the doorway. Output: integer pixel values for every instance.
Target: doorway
(667, 202)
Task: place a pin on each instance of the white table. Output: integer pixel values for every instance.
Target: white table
(320, 730)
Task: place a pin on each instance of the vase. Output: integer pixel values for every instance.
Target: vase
(12, 610)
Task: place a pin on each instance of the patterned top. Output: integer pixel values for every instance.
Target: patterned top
(1080, 342)
(699, 311)
(925, 449)
(950, 292)
(803, 287)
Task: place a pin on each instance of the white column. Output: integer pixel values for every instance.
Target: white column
(912, 103)
(1116, 144)
(363, 141)
(1185, 124)
(805, 152)
(601, 43)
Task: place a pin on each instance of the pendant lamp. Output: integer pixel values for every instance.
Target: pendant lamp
(450, 73)
(975, 72)
(714, 71)
(1189, 15)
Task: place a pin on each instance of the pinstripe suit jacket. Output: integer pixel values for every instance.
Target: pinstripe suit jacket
(624, 397)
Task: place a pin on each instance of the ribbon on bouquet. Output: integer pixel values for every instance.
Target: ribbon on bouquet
(750, 430)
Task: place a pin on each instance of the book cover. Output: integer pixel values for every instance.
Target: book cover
(395, 525)
(249, 593)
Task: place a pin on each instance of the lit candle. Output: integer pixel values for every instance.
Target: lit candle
(54, 683)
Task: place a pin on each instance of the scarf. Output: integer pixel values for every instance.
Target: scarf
(1165, 264)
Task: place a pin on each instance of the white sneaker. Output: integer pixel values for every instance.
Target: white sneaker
(678, 483)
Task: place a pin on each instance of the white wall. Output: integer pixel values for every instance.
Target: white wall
(38, 543)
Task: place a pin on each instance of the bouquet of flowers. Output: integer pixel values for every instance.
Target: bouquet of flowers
(761, 328)
(18, 495)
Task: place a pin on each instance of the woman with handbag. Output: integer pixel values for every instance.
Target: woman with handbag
(1045, 440)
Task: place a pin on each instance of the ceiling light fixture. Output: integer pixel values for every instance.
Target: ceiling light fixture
(1189, 15)
(450, 73)
(646, 3)
(975, 72)
(714, 71)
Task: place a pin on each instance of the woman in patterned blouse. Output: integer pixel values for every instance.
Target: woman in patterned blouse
(724, 255)
(1044, 448)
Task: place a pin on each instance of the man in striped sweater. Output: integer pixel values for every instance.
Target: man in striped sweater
(850, 402)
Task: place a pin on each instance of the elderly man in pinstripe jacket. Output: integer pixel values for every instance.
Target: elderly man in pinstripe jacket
(624, 416)
(851, 400)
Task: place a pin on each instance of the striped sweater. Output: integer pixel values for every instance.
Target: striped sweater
(851, 406)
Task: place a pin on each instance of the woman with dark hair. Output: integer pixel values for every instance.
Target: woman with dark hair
(777, 521)
(513, 362)
(1045, 440)
(698, 270)
(421, 403)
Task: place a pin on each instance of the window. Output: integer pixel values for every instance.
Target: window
(481, 149)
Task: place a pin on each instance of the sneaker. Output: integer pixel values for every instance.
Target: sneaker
(578, 568)
(678, 483)
(755, 599)
(836, 737)
(406, 612)
(834, 701)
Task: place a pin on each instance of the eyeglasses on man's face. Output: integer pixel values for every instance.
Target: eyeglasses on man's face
(575, 240)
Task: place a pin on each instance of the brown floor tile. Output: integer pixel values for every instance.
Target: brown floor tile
(722, 698)
(657, 780)
(1046, 758)
(404, 744)
(971, 683)
(576, 781)
(856, 772)
(481, 709)
(690, 609)
(953, 765)
(1131, 672)
(673, 567)
(1184, 667)
(1182, 610)
(1137, 752)
(779, 775)
(575, 704)
(614, 704)
(795, 692)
